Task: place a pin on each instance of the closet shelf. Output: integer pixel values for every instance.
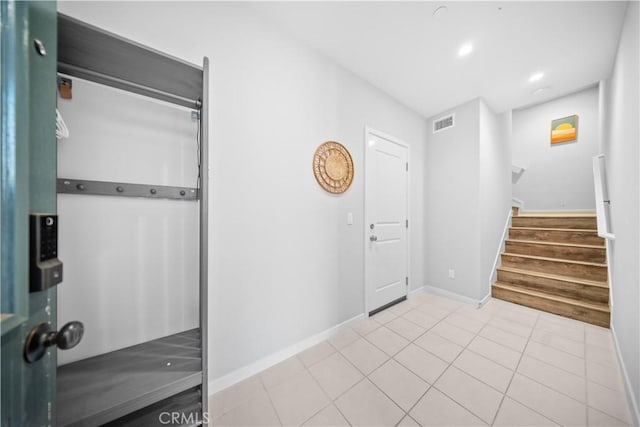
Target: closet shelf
(142, 375)
(97, 55)
(124, 189)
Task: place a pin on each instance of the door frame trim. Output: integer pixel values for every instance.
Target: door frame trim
(368, 130)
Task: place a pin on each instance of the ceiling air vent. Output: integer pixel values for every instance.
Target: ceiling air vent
(443, 123)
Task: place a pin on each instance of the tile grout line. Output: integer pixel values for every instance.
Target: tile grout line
(331, 401)
(551, 364)
(453, 361)
(237, 405)
(416, 323)
(365, 376)
(431, 385)
(557, 349)
(586, 381)
(264, 387)
(504, 395)
(515, 371)
(522, 403)
(583, 377)
(398, 352)
(450, 364)
(551, 388)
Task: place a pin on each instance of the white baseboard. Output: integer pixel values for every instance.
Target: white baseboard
(457, 297)
(415, 291)
(275, 358)
(266, 362)
(484, 300)
(632, 399)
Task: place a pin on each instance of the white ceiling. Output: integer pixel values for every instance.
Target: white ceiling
(402, 49)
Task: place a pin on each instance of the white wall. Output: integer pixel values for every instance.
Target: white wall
(452, 191)
(620, 144)
(558, 176)
(495, 189)
(467, 199)
(283, 263)
(130, 265)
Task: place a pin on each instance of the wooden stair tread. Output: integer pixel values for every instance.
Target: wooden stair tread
(568, 245)
(558, 214)
(569, 261)
(582, 230)
(604, 308)
(577, 223)
(556, 277)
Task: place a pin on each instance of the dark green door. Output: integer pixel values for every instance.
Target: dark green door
(28, 170)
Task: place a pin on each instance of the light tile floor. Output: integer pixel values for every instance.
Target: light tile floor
(433, 361)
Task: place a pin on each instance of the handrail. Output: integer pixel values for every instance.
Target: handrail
(603, 203)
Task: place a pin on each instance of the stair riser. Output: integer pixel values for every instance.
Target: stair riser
(588, 223)
(576, 237)
(588, 272)
(596, 255)
(560, 288)
(579, 313)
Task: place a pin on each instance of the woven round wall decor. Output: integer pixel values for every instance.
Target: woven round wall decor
(333, 167)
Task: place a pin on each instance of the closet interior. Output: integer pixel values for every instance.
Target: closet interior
(133, 201)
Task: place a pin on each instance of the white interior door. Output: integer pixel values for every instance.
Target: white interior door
(386, 220)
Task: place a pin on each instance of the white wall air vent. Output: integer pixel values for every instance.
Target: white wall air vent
(443, 123)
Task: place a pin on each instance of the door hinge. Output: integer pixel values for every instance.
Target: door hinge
(407, 223)
(406, 281)
(407, 164)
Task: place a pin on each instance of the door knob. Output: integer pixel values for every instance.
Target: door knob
(373, 238)
(41, 337)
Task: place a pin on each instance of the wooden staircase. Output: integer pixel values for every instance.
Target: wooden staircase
(556, 263)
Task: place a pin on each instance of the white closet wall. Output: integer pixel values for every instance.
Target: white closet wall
(130, 264)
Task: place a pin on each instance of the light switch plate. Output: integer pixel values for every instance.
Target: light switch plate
(349, 218)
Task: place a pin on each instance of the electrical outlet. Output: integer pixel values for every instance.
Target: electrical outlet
(452, 274)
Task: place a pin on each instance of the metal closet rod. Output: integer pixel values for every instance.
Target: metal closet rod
(125, 189)
(116, 82)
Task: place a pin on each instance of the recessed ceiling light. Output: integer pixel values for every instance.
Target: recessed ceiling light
(535, 77)
(540, 90)
(465, 49)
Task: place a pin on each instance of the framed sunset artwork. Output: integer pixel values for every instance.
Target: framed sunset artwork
(564, 129)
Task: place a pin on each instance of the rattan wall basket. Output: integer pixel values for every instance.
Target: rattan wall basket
(333, 167)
